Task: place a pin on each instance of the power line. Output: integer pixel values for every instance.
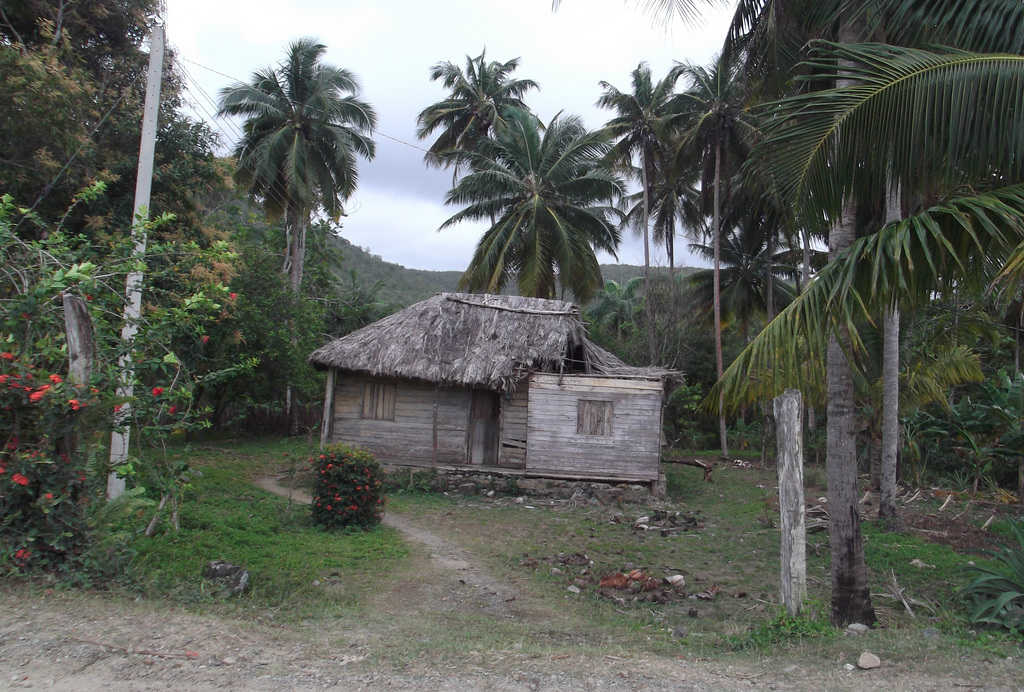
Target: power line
(235, 79)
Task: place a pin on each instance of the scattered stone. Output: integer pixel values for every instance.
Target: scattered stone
(467, 488)
(868, 660)
(233, 578)
(229, 661)
(556, 572)
(930, 632)
(573, 589)
(856, 629)
(921, 564)
(490, 493)
(849, 666)
(679, 632)
(520, 500)
(692, 612)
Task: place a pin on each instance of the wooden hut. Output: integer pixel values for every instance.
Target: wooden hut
(493, 383)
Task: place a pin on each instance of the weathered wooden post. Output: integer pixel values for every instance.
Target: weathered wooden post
(789, 437)
(81, 351)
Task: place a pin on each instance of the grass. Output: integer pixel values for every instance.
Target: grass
(376, 582)
(298, 570)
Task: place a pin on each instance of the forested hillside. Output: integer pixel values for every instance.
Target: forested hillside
(401, 286)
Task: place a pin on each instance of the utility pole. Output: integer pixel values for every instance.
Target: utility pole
(133, 288)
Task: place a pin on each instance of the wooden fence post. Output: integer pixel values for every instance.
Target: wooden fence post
(789, 436)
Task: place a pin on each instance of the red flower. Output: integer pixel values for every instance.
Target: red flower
(56, 379)
(49, 496)
(7, 356)
(157, 391)
(4, 378)
(22, 554)
(117, 407)
(206, 339)
(19, 479)
(36, 396)
(172, 410)
(233, 295)
(328, 508)
(354, 508)
(75, 404)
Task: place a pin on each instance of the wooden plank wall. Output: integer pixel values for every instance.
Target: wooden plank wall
(632, 450)
(514, 408)
(410, 437)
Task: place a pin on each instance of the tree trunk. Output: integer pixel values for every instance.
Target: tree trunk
(648, 308)
(890, 418)
(295, 260)
(789, 435)
(851, 599)
(717, 244)
(890, 392)
(769, 305)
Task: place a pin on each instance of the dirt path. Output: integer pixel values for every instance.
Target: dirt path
(495, 594)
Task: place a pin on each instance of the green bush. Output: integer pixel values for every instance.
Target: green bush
(998, 592)
(348, 488)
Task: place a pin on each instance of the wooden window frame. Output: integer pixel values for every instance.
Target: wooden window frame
(379, 400)
(594, 417)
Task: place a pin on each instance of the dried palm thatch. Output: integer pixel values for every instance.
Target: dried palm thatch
(473, 340)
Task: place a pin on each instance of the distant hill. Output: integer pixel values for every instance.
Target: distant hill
(403, 287)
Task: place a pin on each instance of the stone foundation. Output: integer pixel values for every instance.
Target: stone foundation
(475, 483)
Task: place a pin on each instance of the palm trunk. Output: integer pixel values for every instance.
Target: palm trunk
(851, 598)
(648, 309)
(295, 225)
(717, 243)
(769, 304)
(890, 420)
(890, 393)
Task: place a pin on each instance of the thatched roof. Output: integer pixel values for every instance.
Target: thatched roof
(474, 340)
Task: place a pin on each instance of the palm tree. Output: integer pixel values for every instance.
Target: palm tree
(640, 128)
(753, 283)
(551, 205)
(479, 100)
(616, 305)
(716, 131)
(305, 127)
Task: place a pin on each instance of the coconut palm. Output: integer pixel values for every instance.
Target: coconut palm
(716, 131)
(641, 130)
(305, 128)
(551, 204)
(753, 283)
(616, 305)
(476, 107)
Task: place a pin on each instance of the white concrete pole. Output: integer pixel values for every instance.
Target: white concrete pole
(133, 289)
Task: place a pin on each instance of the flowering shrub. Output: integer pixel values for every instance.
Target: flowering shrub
(47, 423)
(41, 520)
(349, 488)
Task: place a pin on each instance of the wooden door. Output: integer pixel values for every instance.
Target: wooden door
(483, 427)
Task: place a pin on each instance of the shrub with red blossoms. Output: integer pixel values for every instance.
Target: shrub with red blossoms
(42, 524)
(349, 488)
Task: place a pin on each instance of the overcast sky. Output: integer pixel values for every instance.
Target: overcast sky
(391, 46)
